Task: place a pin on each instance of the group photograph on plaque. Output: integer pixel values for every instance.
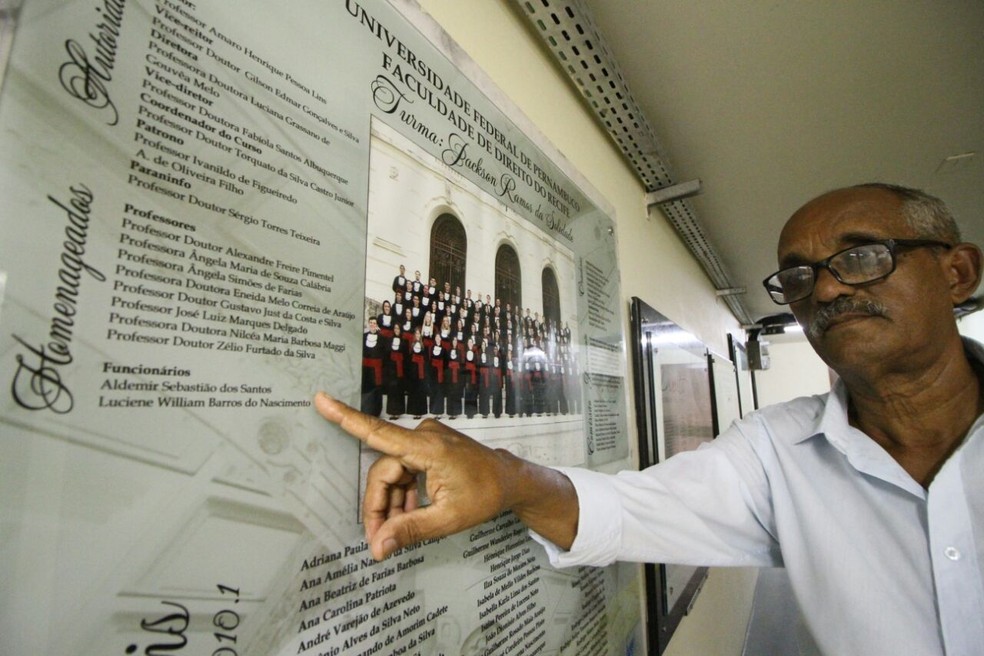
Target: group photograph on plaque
(468, 309)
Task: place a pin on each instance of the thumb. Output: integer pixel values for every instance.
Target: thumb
(407, 528)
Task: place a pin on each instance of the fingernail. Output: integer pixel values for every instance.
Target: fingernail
(389, 546)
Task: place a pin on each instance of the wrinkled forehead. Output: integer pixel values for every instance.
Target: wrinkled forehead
(841, 218)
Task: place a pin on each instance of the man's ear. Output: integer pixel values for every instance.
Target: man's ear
(964, 263)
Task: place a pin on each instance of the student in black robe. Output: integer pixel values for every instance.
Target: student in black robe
(485, 388)
(407, 325)
(416, 377)
(471, 378)
(385, 320)
(400, 281)
(437, 357)
(454, 378)
(394, 371)
(497, 377)
(373, 348)
(511, 379)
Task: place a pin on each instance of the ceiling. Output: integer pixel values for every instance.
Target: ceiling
(770, 103)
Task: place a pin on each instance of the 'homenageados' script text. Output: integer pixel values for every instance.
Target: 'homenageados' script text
(37, 383)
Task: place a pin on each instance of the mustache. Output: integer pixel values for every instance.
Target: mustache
(843, 305)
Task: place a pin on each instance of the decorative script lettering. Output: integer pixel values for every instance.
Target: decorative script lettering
(37, 383)
(86, 78)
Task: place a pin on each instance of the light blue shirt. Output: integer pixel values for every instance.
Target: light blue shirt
(879, 565)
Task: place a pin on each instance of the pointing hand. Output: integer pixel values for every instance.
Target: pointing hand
(467, 483)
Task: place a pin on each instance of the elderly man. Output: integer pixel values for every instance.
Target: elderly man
(872, 496)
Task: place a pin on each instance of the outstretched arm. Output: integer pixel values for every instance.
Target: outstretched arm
(467, 482)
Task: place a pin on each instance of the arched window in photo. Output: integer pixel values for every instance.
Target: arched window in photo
(448, 251)
(508, 278)
(551, 296)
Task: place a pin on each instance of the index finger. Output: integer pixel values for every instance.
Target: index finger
(373, 431)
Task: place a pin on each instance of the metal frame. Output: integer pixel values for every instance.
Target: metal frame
(661, 620)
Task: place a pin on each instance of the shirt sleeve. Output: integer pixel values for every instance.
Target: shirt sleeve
(705, 507)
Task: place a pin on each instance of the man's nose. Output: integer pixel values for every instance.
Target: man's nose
(826, 286)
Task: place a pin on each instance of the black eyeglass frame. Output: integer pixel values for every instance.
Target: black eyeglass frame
(774, 288)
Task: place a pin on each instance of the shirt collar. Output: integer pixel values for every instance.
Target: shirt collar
(862, 452)
(833, 421)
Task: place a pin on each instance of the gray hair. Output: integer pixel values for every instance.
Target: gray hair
(926, 214)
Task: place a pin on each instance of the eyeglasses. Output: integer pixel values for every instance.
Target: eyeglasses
(853, 266)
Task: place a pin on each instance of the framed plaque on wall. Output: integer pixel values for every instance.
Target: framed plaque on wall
(674, 413)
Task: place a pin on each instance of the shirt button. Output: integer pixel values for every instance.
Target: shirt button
(952, 553)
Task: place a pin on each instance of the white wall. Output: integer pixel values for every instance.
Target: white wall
(497, 38)
(795, 370)
(972, 326)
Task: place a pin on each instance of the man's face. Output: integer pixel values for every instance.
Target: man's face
(884, 322)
